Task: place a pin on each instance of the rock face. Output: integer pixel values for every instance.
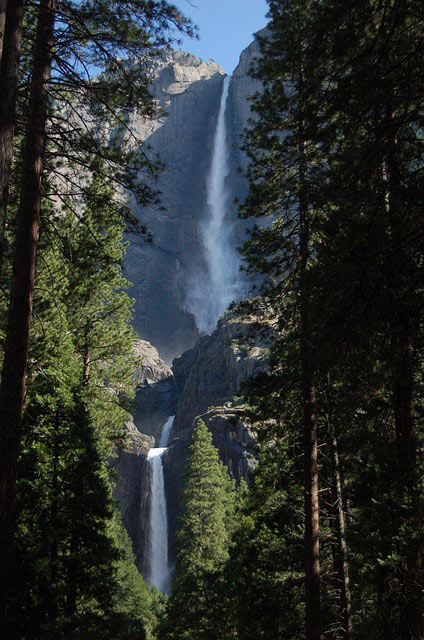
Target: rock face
(188, 92)
(156, 392)
(209, 377)
(156, 399)
(205, 379)
(242, 88)
(234, 439)
(132, 489)
(219, 365)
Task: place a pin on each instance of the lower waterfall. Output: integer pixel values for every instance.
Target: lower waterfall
(158, 547)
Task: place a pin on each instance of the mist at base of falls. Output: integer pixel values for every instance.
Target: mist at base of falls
(217, 283)
(158, 545)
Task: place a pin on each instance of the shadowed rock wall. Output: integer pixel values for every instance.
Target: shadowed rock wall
(188, 92)
(132, 490)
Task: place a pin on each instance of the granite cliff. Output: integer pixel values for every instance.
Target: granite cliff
(188, 93)
(208, 371)
(203, 382)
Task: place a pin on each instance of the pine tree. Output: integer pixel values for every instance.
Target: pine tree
(98, 307)
(370, 248)
(93, 32)
(359, 111)
(202, 542)
(265, 574)
(282, 176)
(9, 71)
(72, 564)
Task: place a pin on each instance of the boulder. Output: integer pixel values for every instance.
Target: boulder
(156, 392)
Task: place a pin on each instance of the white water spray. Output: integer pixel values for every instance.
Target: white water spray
(166, 432)
(220, 285)
(159, 567)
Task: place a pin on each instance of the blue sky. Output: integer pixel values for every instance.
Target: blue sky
(225, 28)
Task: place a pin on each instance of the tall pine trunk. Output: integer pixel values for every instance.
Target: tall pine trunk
(3, 6)
(72, 574)
(12, 388)
(342, 557)
(310, 434)
(9, 69)
(402, 339)
(53, 558)
(411, 623)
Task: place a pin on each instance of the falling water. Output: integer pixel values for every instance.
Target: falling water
(159, 568)
(219, 285)
(166, 432)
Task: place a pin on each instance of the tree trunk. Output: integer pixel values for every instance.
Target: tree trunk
(310, 435)
(86, 357)
(12, 388)
(411, 615)
(8, 89)
(342, 559)
(3, 6)
(402, 328)
(386, 604)
(312, 556)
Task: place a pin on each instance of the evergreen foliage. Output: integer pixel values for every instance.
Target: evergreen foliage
(265, 575)
(67, 117)
(206, 524)
(72, 563)
(342, 89)
(207, 500)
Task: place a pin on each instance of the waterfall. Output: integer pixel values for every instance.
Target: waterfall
(159, 569)
(166, 432)
(219, 285)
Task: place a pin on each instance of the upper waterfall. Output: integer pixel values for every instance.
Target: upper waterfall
(184, 135)
(219, 285)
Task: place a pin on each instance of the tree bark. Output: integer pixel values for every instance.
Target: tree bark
(310, 434)
(411, 615)
(9, 69)
(411, 622)
(86, 357)
(52, 599)
(3, 6)
(72, 575)
(402, 328)
(386, 604)
(342, 559)
(12, 388)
